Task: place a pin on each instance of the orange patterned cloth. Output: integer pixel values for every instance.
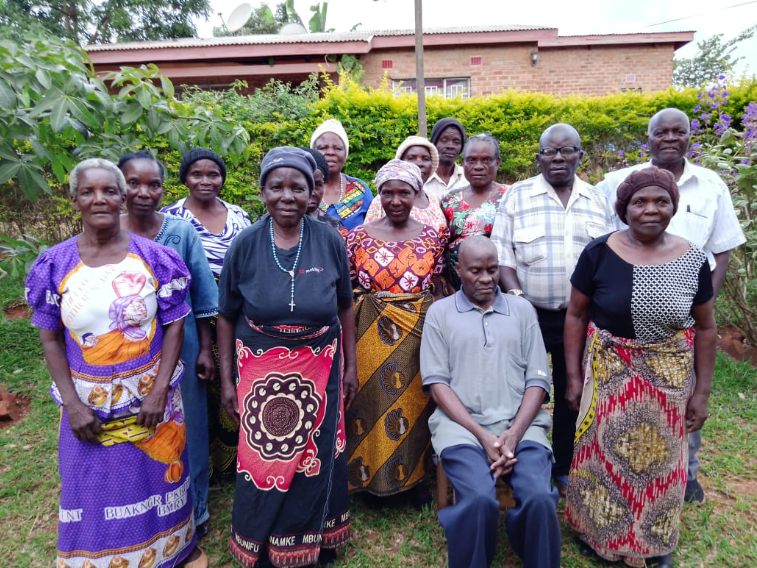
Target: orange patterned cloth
(400, 267)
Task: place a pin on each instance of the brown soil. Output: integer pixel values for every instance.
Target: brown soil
(13, 408)
(732, 342)
(17, 310)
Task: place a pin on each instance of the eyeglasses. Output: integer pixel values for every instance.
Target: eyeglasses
(565, 151)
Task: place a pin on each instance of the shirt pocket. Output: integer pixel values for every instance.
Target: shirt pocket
(595, 230)
(530, 244)
(696, 229)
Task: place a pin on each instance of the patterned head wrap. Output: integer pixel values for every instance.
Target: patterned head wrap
(648, 177)
(402, 171)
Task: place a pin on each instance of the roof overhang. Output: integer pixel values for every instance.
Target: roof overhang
(678, 39)
(235, 50)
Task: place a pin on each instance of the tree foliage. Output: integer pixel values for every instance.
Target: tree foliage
(88, 22)
(714, 58)
(55, 111)
(262, 21)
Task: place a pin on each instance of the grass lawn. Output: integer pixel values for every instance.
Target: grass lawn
(720, 533)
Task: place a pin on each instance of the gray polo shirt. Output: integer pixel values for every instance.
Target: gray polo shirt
(488, 358)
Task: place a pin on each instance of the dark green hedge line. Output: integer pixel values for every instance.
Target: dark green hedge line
(613, 129)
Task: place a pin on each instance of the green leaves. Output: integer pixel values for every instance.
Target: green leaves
(54, 111)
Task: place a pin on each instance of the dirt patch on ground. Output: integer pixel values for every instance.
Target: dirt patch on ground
(17, 310)
(732, 342)
(13, 407)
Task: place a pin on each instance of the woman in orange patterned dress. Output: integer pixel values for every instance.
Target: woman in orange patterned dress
(427, 208)
(395, 264)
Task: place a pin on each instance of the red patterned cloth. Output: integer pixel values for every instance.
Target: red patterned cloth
(628, 475)
(290, 497)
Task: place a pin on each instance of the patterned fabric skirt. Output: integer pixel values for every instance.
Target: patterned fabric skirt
(291, 496)
(223, 430)
(125, 501)
(628, 475)
(387, 425)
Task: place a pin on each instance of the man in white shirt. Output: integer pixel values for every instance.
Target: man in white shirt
(705, 217)
(448, 135)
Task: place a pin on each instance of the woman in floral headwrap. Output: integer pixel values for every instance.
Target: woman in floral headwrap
(393, 263)
(427, 208)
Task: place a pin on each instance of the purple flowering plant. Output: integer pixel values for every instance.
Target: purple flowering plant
(729, 148)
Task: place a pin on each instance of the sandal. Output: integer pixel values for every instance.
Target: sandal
(199, 562)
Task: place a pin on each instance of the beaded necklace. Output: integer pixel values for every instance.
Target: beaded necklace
(324, 206)
(296, 259)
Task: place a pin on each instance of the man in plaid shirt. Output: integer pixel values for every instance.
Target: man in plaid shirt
(542, 225)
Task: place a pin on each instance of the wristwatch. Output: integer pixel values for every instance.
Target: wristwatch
(516, 292)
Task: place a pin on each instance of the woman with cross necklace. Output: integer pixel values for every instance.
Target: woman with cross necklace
(286, 329)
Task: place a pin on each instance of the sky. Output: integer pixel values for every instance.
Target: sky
(705, 17)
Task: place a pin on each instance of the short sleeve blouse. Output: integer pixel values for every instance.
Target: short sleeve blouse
(215, 245)
(252, 284)
(112, 316)
(396, 266)
(645, 302)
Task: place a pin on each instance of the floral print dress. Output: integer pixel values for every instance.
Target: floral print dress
(398, 267)
(465, 221)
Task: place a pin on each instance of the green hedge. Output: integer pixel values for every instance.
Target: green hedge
(377, 121)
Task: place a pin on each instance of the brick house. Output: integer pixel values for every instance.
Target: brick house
(471, 61)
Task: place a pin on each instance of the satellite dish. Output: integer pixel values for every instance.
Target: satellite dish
(238, 17)
(292, 29)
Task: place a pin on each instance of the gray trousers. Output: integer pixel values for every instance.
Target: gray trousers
(695, 444)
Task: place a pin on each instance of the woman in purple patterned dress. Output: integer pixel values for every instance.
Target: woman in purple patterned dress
(110, 309)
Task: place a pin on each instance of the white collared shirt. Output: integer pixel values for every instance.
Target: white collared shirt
(436, 186)
(705, 215)
(542, 239)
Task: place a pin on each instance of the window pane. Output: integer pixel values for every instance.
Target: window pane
(457, 88)
(404, 86)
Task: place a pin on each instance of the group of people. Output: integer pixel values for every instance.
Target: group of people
(344, 341)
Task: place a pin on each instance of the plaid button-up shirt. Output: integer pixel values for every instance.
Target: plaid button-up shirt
(542, 239)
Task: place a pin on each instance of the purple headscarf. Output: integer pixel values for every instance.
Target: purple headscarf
(402, 171)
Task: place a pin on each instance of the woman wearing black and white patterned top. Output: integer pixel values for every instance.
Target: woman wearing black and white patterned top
(641, 315)
(217, 223)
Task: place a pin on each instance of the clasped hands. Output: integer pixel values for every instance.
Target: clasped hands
(501, 452)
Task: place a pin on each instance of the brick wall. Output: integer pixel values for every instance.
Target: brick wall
(595, 70)
(598, 70)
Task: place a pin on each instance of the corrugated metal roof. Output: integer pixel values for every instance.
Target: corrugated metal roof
(303, 38)
(631, 33)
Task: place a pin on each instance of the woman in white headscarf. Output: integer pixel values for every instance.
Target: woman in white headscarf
(345, 198)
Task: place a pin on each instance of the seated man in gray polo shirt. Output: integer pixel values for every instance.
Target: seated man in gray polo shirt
(483, 361)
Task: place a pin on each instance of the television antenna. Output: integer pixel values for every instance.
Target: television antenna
(238, 17)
